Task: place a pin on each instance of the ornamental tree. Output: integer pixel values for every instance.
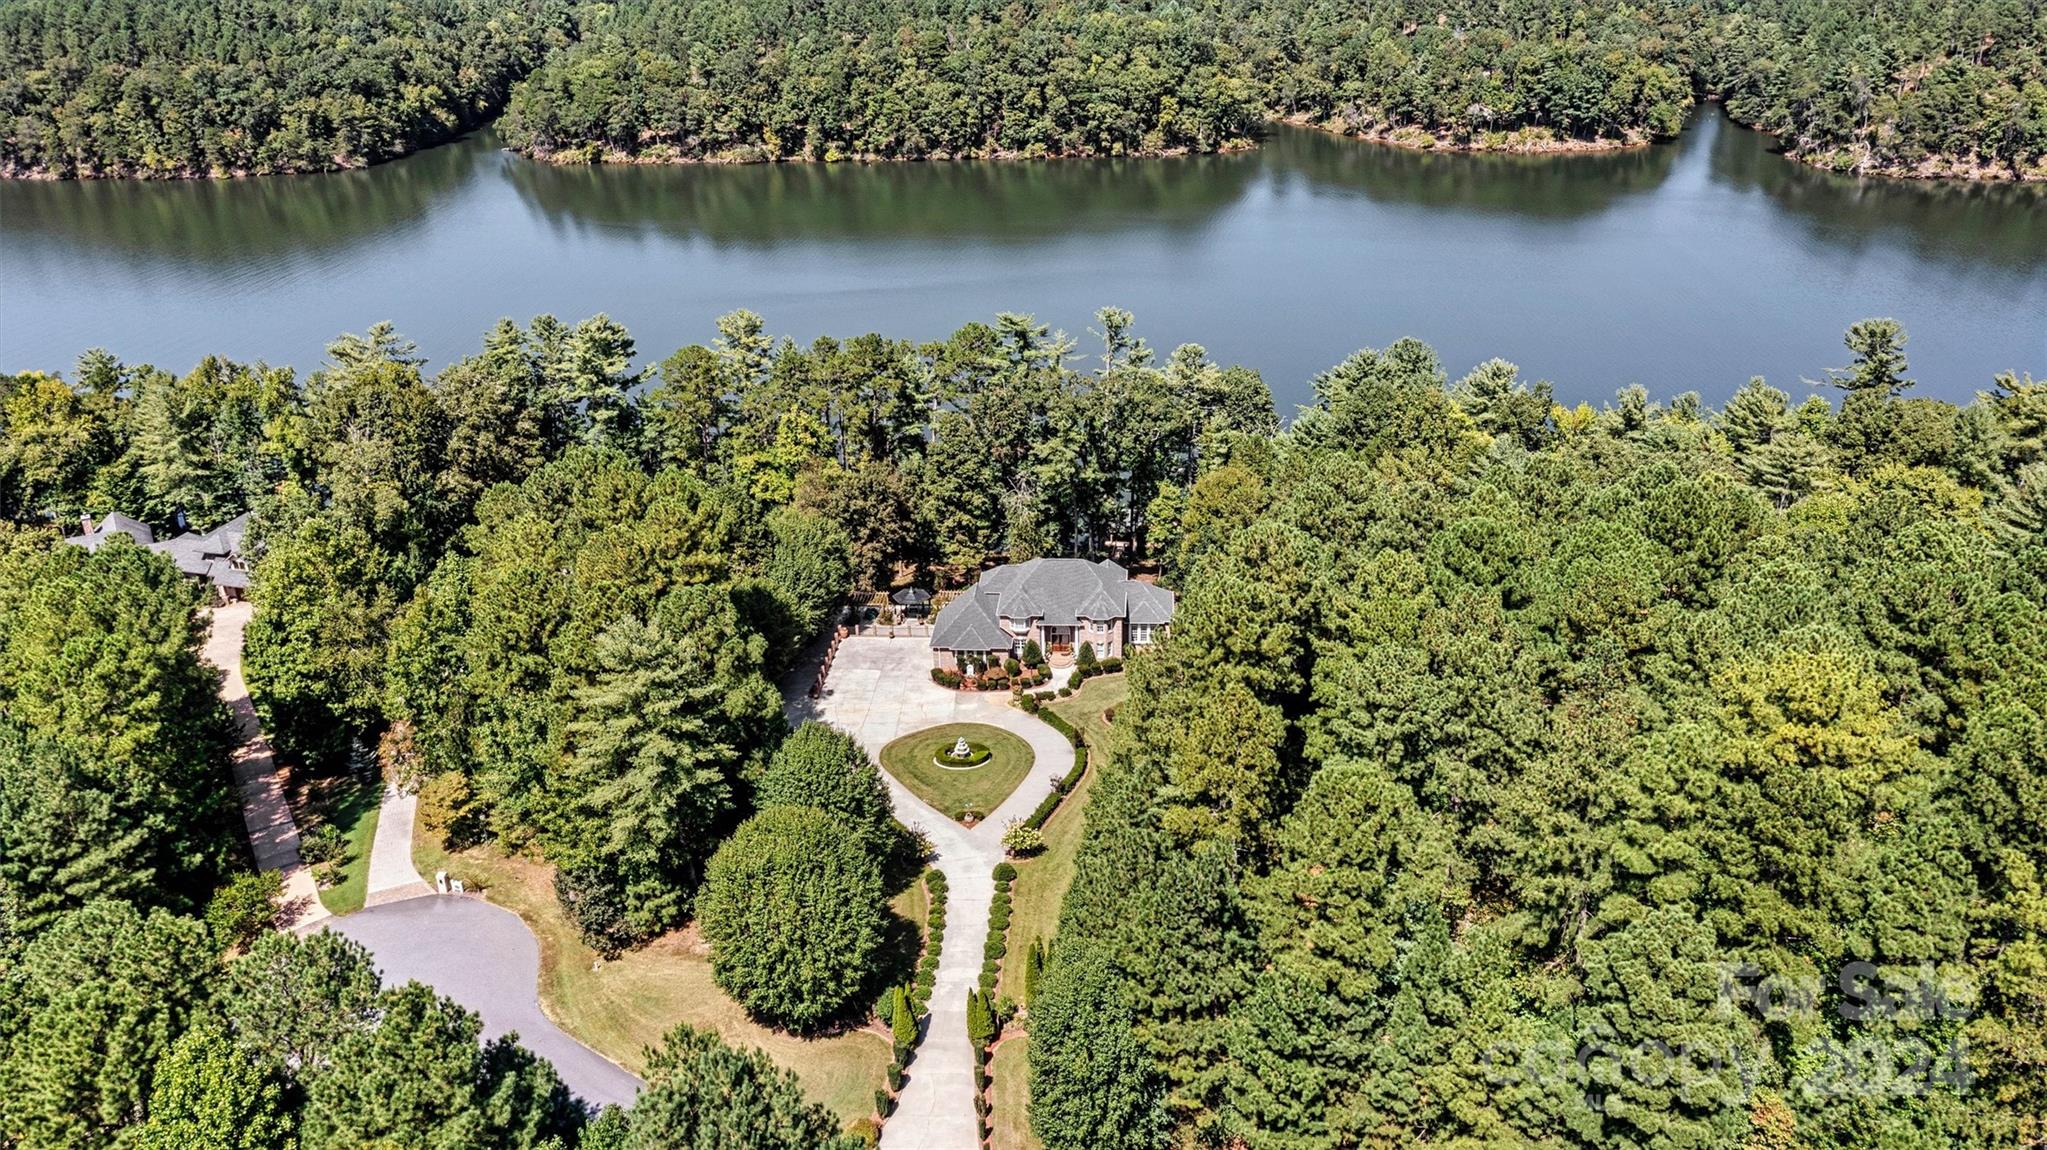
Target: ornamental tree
(792, 907)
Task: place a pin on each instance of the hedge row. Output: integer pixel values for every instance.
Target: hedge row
(1064, 786)
(916, 1000)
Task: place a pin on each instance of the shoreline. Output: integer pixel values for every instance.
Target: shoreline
(1529, 141)
(1508, 142)
(751, 156)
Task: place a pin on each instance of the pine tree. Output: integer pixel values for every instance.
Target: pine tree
(651, 771)
(1091, 1086)
(209, 1094)
(96, 1001)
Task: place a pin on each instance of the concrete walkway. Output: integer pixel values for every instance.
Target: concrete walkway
(392, 875)
(483, 957)
(880, 689)
(273, 836)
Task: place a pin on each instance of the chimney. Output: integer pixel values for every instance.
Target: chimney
(85, 521)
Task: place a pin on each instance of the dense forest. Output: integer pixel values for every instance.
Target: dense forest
(228, 87)
(1513, 777)
(1635, 776)
(1903, 87)
(1873, 85)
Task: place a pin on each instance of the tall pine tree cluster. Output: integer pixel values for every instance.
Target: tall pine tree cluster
(1634, 778)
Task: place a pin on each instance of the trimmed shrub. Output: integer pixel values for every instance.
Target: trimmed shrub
(324, 843)
(823, 767)
(792, 907)
(1032, 653)
(1023, 839)
(1111, 665)
(1029, 703)
(1084, 662)
(945, 678)
(980, 1021)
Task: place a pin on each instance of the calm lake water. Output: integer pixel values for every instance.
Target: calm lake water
(1690, 266)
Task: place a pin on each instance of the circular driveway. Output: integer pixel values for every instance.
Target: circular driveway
(483, 957)
(880, 689)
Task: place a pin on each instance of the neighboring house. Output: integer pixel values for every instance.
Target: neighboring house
(1058, 604)
(214, 558)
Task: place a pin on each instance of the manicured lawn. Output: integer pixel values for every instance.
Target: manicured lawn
(623, 1006)
(1041, 881)
(1087, 709)
(979, 789)
(352, 806)
(1010, 1117)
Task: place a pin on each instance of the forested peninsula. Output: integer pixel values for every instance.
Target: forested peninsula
(198, 88)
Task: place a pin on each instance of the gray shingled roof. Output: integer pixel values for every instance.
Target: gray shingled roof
(114, 524)
(1056, 592)
(207, 556)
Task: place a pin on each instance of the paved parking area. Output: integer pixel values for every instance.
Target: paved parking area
(881, 689)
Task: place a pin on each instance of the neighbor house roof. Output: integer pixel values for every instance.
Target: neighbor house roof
(211, 556)
(114, 524)
(1056, 592)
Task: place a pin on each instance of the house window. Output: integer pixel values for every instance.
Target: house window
(1141, 634)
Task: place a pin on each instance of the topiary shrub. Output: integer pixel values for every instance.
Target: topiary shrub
(792, 908)
(823, 767)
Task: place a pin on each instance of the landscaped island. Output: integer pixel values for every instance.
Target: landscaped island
(1867, 86)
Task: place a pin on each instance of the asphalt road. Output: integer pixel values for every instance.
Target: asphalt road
(483, 957)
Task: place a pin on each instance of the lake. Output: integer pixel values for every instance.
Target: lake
(1688, 266)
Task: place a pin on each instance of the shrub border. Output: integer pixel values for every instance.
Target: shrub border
(918, 993)
(997, 947)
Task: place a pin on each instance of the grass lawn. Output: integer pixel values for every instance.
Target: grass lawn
(979, 789)
(352, 806)
(1041, 881)
(623, 1006)
(1010, 1119)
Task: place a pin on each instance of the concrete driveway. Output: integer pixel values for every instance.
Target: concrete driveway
(880, 689)
(483, 957)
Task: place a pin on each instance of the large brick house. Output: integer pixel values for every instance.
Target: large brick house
(1058, 604)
